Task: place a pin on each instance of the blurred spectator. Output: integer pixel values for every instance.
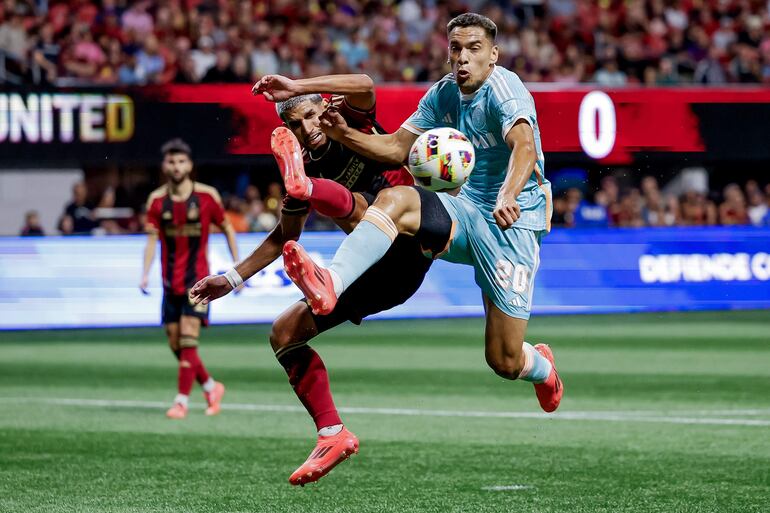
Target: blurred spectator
(274, 199)
(710, 70)
(235, 213)
(221, 71)
(14, 41)
(77, 217)
(149, 63)
(46, 53)
(612, 43)
(758, 208)
(32, 226)
(696, 210)
(204, 58)
(733, 208)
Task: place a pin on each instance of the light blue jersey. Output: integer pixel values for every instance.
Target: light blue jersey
(505, 261)
(485, 117)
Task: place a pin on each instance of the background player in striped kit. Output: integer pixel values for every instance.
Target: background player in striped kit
(180, 214)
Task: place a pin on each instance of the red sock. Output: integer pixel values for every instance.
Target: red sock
(331, 198)
(308, 377)
(188, 364)
(201, 374)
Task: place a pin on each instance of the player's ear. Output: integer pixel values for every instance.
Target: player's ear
(494, 55)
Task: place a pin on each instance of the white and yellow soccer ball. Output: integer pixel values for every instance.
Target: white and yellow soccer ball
(441, 159)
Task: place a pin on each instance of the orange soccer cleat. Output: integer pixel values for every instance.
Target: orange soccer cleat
(288, 155)
(550, 391)
(328, 453)
(177, 412)
(314, 281)
(214, 399)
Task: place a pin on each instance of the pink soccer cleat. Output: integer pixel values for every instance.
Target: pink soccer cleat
(214, 399)
(328, 453)
(314, 281)
(177, 412)
(550, 391)
(288, 155)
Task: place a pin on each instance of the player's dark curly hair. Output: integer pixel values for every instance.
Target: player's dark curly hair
(472, 19)
(175, 145)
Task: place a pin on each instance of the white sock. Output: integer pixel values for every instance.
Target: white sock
(339, 288)
(330, 430)
(208, 386)
(181, 399)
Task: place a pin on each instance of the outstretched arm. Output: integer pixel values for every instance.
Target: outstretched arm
(216, 286)
(358, 89)
(521, 139)
(232, 245)
(389, 148)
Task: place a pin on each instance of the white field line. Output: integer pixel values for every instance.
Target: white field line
(505, 488)
(608, 416)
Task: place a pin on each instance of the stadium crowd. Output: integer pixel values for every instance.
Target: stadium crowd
(610, 206)
(610, 42)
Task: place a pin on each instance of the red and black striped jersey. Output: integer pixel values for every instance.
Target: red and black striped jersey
(183, 228)
(343, 165)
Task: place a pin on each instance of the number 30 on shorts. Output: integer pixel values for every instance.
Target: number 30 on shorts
(516, 277)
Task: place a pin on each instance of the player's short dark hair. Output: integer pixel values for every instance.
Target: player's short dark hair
(472, 19)
(175, 145)
(283, 107)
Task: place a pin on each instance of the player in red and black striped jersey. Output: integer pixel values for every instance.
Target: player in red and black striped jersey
(321, 174)
(180, 214)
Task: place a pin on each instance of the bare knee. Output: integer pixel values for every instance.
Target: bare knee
(293, 326)
(402, 205)
(506, 366)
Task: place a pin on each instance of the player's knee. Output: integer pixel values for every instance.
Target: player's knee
(282, 334)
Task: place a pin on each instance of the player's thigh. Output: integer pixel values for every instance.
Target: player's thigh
(189, 326)
(296, 324)
(503, 340)
(172, 333)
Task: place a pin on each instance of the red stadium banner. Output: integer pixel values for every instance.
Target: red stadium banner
(226, 123)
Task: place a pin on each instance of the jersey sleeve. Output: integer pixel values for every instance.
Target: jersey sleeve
(217, 210)
(517, 104)
(360, 119)
(426, 116)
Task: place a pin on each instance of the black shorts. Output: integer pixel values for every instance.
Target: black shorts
(398, 274)
(177, 305)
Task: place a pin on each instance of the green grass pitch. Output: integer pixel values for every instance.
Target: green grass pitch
(662, 413)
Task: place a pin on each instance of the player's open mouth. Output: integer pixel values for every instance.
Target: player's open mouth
(315, 138)
(463, 74)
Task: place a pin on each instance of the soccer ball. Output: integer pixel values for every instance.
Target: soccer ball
(441, 158)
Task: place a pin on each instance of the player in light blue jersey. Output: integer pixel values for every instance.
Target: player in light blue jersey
(496, 221)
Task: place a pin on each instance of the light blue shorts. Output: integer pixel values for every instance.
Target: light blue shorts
(505, 261)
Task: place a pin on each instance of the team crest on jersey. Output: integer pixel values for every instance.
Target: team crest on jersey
(167, 215)
(193, 213)
(479, 118)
